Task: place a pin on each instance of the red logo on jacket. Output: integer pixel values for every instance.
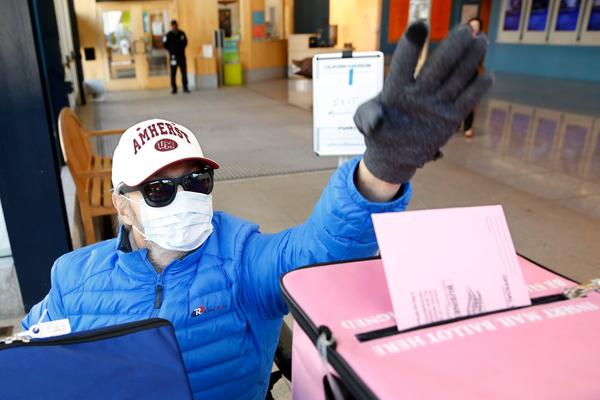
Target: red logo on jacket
(165, 145)
(202, 309)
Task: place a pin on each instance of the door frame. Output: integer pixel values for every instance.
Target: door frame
(142, 80)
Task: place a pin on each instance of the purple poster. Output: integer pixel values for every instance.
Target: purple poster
(594, 24)
(568, 14)
(538, 15)
(512, 15)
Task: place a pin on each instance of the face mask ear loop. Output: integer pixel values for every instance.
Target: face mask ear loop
(129, 198)
(134, 227)
(139, 231)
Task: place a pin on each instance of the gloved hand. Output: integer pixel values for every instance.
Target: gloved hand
(408, 122)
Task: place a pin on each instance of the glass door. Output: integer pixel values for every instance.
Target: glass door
(133, 52)
(156, 19)
(118, 39)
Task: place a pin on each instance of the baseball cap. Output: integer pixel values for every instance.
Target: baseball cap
(150, 145)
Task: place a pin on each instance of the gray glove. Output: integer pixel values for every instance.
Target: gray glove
(408, 122)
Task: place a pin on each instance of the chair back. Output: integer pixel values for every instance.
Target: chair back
(75, 146)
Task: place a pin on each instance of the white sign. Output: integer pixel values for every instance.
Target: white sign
(207, 51)
(157, 28)
(340, 85)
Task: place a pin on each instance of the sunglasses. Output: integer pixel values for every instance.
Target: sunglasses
(161, 192)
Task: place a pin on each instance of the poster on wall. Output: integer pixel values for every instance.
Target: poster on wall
(512, 15)
(538, 16)
(340, 85)
(568, 14)
(418, 10)
(259, 29)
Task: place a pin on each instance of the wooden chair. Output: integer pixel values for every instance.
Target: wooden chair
(91, 173)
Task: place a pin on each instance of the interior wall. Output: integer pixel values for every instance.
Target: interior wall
(358, 22)
(199, 20)
(262, 58)
(90, 35)
(555, 61)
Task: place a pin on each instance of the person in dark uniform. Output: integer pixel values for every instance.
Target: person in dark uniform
(175, 42)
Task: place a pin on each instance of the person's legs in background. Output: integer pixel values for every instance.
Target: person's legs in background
(183, 69)
(173, 65)
(468, 125)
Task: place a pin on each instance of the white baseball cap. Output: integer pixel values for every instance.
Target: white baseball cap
(151, 145)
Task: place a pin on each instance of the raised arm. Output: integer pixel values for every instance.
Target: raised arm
(339, 228)
(404, 126)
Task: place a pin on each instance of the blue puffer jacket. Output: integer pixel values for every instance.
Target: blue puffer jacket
(224, 298)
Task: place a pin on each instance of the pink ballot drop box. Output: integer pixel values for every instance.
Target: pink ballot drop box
(346, 344)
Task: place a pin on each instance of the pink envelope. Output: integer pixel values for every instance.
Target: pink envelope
(549, 350)
(424, 287)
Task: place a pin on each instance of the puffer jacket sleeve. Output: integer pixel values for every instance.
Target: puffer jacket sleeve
(52, 303)
(340, 228)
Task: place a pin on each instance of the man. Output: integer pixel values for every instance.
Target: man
(216, 277)
(175, 42)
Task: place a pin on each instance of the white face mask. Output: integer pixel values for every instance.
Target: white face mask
(183, 225)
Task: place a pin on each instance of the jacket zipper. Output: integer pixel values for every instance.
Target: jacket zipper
(159, 295)
(97, 334)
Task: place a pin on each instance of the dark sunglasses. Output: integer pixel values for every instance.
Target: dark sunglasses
(161, 192)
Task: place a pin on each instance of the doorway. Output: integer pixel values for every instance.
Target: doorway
(132, 44)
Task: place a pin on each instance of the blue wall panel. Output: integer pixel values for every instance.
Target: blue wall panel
(568, 62)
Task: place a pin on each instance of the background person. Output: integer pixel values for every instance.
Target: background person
(175, 42)
(216, 277)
